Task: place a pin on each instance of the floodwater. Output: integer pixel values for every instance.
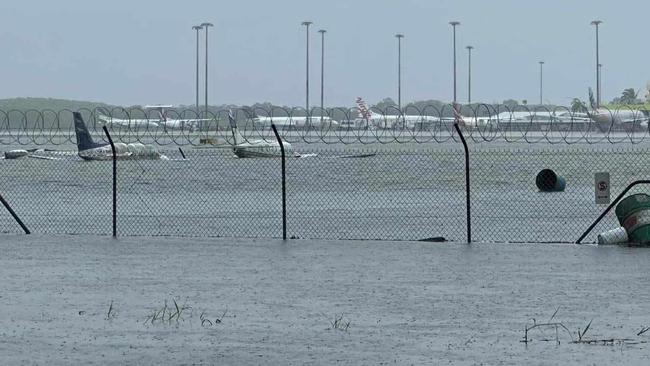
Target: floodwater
(90, 300)
(401, 192)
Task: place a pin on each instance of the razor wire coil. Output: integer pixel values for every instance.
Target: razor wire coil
(480, 123)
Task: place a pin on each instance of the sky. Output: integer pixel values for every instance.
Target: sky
(143, 52)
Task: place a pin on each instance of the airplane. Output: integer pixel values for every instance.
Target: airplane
(257, 148)
(90, 150)
(150, 123)
(472, 122)
(385, 121)
(175, 124)
(104, 117)
(301, 122)
(607, 120)
(611, 120)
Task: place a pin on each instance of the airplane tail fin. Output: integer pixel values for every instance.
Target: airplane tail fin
(364, 112)
(592, 100)
(103, 110)
(236, 136)
(459, 117)
(84, 139)
(249, 112)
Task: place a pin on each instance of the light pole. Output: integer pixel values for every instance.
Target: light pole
(541, 78)
(453, 25)
(597, 23)
(322, 71)
(399, 70)
(197, 28)
(600, 76)
(206, 25)
(469, 74)
(307, 24)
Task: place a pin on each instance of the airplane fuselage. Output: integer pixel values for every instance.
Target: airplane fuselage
(607, 120)
(127, 123)
(122, 152)
(298, 122)
(262, 149)
(400, 121)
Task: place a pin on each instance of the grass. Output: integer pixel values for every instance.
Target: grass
(167, 314)
(173, 313)
(111, 314)
(339, 323)
(205, 321)
(559, 328)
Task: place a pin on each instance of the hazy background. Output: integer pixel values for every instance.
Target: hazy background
(140, 52)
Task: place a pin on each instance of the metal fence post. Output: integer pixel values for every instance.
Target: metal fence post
(284, 185)
(110, 140)
(11, 211)
(467, 186)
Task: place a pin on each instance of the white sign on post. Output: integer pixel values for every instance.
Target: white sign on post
(602, 188)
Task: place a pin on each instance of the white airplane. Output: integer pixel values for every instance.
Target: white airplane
(90, 150)
(472, 122)
(302, 122)
(616, 119)
(607, 120)
(150, 123)
(385, 121)
(174, 124)
(257, 148)
(102, 116)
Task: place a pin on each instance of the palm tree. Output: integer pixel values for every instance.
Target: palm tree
(578, 105)
(628, 96)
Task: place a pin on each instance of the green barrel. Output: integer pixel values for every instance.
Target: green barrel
(633, 214)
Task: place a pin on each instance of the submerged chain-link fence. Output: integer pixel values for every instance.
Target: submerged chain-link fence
(394, 192)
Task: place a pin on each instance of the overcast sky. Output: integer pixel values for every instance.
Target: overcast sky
(141, 52)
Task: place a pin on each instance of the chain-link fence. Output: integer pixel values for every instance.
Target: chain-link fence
(396, 192)
(397, 174)
(507, 204)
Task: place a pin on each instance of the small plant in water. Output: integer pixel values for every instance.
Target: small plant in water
(340, 323)
(206, 322)
(560, 328)
(167, 314)
(111, 314)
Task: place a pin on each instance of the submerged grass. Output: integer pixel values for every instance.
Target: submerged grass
(560, 328)
(167, 314)
(111, 314)
(174, 313)
(339, 323)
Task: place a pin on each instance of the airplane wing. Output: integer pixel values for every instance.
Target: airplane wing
(43, 157)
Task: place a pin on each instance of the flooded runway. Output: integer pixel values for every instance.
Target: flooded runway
(406, 303)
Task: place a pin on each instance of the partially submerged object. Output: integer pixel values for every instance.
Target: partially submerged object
(90, 150)
(15, 154)
(614, 236)
(548, 181)
(633, 214)
(243, 148)
(435, 239)
(31, 153)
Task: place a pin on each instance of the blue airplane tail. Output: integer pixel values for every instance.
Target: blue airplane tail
(84, 139)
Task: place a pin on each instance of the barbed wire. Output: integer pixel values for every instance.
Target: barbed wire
(428, 123)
